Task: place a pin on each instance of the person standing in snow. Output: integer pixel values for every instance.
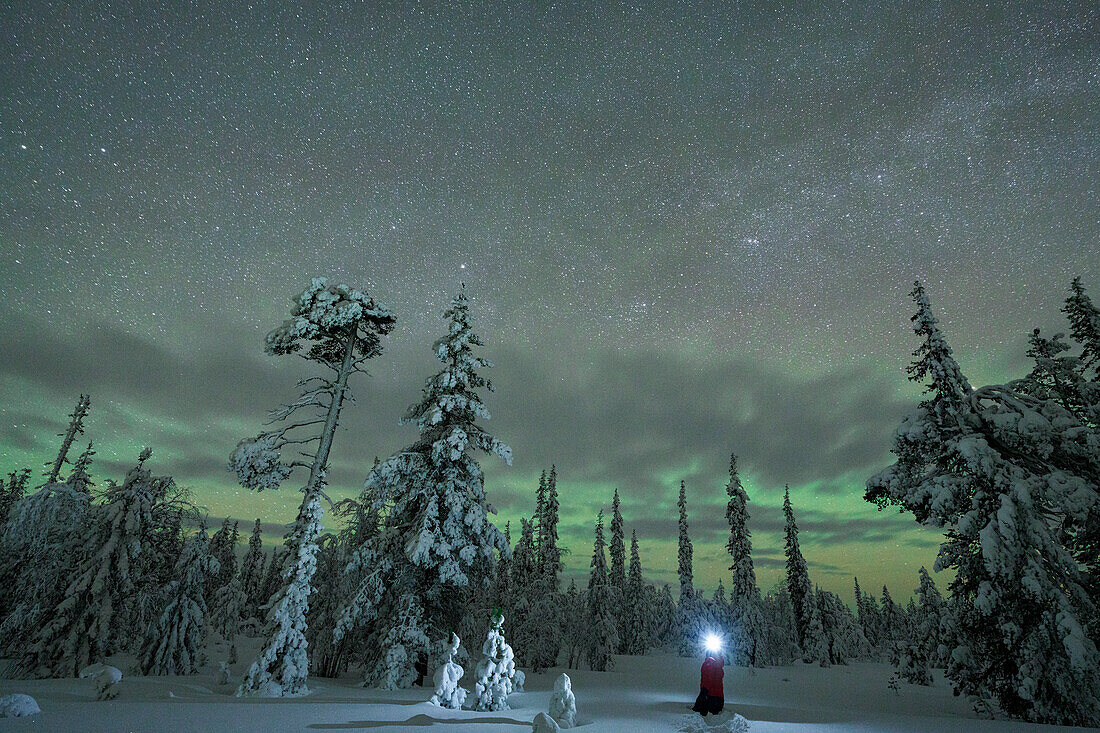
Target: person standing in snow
(710, 698)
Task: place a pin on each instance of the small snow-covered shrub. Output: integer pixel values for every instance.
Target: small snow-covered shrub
(105, 678)
(447, 692)
(724, 722)
(563, 705)
(17, 706)
(543, 723)
(518, 681)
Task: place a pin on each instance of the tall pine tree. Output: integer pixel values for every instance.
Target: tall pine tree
(798, 575)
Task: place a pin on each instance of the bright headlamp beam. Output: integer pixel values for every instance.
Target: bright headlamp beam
(712, 643)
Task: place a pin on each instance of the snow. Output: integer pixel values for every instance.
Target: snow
(105, 678)
(652, 693)
(18, 705)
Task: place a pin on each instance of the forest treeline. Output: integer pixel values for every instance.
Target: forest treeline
(1009, 473)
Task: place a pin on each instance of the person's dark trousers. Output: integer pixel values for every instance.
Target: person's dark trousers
(706, 703)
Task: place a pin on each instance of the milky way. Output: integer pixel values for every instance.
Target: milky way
(687, 229)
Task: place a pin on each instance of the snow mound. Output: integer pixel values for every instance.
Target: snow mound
(724, 722)
(543, 723)
(18, 706)
(105, 677)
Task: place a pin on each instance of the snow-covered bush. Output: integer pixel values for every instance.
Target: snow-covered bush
(563, 705)
(105, 678)
(519, 679)
(543, 723)
(447, 692)
(495, 671)
(18, 705)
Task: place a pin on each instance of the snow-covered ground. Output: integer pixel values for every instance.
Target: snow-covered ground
(651, 693)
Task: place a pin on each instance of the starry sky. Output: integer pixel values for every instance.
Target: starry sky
(686, 229)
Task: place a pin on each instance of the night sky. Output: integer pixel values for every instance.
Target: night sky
(686, 229)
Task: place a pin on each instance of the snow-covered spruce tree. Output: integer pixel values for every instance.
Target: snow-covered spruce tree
(75, 428)
(999, 471)
(798, 576)
(436, 539)
(639, 613)
(815, 645)
(928, 620)
(524, 581)
(89, 623)
(174, 644)
(496, 669)
(405, 642)
(746, 616)
(252, 570)
(221, 548)
(892, 621)
(574, 624)
(842, 631)
(12, 492)
(229, 608)
(663, 628)
(617, 571)
(780, 643)
(1084, 322)
(602, 636)
(448, 694)
(687, 643)
(547, 620)
(80, 479)
(39, 547)
(339, 329)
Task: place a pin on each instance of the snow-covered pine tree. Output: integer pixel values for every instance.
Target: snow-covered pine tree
(436, 539)
(340, 329)
(687, 643)
(496, 670)
(75, 428)
(999, 471)
(173, 645)
(252, 569)
(89, 622)
(639, 613)
(798, 576)
(602, 635)
(745, 613)
(842, 632)
(617, 572)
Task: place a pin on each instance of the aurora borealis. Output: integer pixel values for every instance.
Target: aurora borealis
(686, 229)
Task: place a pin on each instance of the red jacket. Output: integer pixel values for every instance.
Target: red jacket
(710, 676)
